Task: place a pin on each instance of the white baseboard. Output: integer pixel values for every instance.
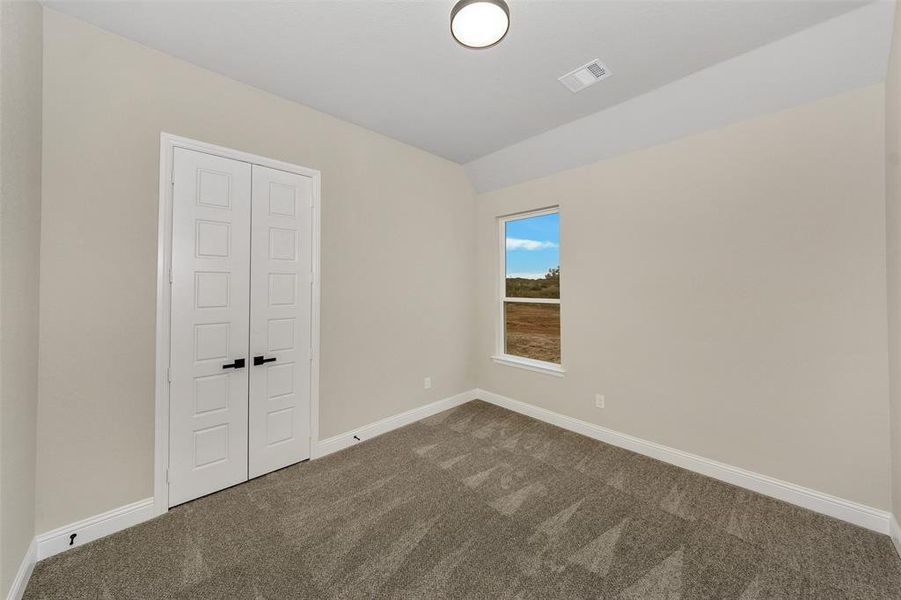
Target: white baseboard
(895, 533)
(839, 508)
(20, 582)
(361, 434)
(92, 528)
(98, 526)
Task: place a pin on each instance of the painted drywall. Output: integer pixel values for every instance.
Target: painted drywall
(456, 103)
(397, 253)
(20, 212)
(893, 251)
(726, 291)
(845, 53)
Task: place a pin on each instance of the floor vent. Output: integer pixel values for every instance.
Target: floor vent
(579, 79)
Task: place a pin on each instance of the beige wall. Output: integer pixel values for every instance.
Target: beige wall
(20, 211)
(397, 251)
(727, 293)
(893, 251)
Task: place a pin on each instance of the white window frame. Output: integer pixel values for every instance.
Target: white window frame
(501, 356)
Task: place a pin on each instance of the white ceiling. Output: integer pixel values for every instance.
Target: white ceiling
(392, 66)
(848, 52)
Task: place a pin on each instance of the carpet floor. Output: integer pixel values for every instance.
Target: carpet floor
(480, 502)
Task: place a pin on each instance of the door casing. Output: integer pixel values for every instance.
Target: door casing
(168, 143)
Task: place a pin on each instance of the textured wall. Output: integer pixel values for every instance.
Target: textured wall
(726, 291)
(397, 252)
(893, 250)
(20, 230)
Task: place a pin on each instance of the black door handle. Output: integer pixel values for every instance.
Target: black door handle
(238, 364)
(259, 360)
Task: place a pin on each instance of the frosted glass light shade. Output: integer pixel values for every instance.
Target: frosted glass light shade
(480, 23)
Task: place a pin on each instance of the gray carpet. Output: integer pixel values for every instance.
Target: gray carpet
(480, 502)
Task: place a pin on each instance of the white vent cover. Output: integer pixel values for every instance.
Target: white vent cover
(579, 79)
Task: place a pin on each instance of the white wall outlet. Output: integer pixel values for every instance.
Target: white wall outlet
(428, 383)
(600, 400)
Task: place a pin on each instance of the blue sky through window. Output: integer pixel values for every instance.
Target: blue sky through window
(533, 246)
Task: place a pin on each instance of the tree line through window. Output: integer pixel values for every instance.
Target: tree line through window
(531, 286)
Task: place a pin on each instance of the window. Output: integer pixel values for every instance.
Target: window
(529, 303)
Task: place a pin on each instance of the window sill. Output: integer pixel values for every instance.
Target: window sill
(530, 365)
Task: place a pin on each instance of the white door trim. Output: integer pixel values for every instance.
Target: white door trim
(168, 143)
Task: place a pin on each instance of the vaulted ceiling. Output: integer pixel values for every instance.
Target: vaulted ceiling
(393, 67)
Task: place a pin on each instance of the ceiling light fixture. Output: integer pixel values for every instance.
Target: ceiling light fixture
(480, 23)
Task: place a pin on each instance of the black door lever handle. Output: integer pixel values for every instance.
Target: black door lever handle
(259, 360)
(238, 364)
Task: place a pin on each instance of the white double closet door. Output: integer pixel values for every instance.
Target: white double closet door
(240, 356)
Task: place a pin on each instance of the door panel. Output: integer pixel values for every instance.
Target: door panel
(210, 324)
(280, 299)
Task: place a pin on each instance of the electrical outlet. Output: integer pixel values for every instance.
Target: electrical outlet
(428, 383)
(599, 400)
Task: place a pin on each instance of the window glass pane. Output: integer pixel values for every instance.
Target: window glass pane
(532, 257)
(532, 330)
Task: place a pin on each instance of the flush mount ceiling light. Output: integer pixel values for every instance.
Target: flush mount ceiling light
(480, 23)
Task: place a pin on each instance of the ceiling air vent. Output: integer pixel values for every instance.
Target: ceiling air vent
(579, 79)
